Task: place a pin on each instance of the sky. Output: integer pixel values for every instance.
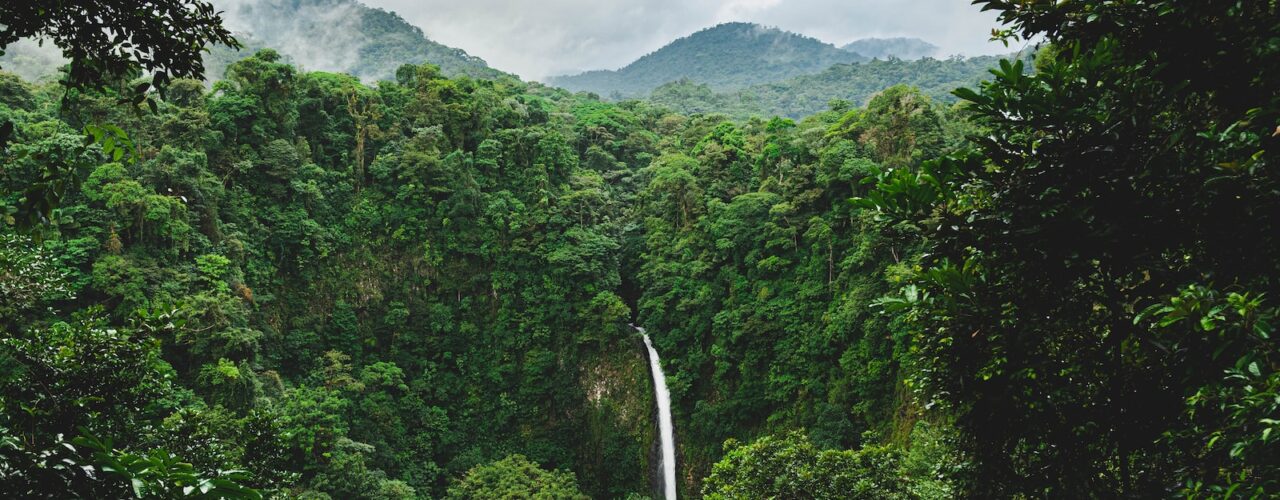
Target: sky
(540, 38)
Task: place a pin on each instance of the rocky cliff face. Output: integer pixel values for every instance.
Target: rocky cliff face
(617, 451)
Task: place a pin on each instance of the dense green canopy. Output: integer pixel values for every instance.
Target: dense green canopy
(298, 284)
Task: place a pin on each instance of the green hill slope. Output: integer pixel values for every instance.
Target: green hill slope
(808, 94)
(341, 36)
(345, 36)
(725, 57)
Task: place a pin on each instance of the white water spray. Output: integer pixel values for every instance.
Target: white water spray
(664, 419)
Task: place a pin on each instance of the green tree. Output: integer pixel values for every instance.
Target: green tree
(515, 477)
(84, 378)
(790, 466)
(162, 37)
(28, 278)
(1128, 174)
(107, 42)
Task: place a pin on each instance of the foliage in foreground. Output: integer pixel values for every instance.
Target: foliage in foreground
(1097, 299)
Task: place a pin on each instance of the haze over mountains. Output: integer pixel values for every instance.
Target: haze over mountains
(343, 36)
(733, 56)
(901, 48)
(741, 69)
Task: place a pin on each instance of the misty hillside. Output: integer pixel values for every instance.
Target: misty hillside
(31, 60)
(343, 36)
(885, 48)
(805, 95)
(726, 57)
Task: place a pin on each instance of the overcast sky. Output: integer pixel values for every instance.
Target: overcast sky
(538, 38)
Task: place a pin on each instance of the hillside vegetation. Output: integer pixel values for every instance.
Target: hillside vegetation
(348, 37)
(343, 36)
(725, 57)
(808, 94)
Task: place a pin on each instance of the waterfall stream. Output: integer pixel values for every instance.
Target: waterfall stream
(660, 393)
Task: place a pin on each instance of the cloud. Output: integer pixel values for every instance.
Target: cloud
(278, 21)
(32, 60)
(539, 38)
(733, 10)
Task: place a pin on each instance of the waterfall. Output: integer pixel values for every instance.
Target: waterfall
(664, 419)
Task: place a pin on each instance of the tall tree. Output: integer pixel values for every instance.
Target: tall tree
(108, 42)
(1096, 305)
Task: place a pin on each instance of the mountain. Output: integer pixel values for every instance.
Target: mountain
(726, 57)
(808, 94)
(885, 48)
(343, 36)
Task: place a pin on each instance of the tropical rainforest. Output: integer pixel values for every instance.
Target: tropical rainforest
(1056, 281)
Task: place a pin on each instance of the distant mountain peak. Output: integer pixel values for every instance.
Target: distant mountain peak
(725, 56)
(738, 25)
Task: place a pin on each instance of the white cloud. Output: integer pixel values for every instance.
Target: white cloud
(335, 51)
(734, 10)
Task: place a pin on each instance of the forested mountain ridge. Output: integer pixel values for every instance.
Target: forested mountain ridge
(321, 35)
(727, 56)
(734, 69)
(805, 95)
(769, 73)
(345, 36)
